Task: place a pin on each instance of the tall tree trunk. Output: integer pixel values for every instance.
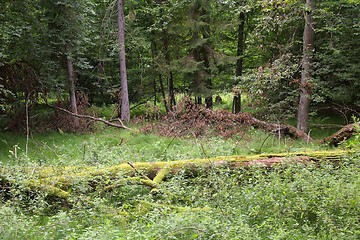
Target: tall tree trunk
(125, 109)
(206, 58)
(208, 83)
(153, 49)
(239, 63)
(162, 89)
(306, 71)
(171, 95)
(72, 89)
(197, 75)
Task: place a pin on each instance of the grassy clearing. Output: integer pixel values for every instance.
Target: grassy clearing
(113, 146)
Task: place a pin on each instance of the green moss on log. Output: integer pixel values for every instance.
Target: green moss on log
(61, 180)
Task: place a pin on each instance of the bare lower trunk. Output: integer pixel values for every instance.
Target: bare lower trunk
(308, 51)
(72, 90)
(171, 95)
(125, 109)
(239, 63)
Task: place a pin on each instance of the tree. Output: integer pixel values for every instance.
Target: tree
(200, 48)
(65, 38)
(72, 88)
(239, 63)
(306, 70)
(336, 72)
(125, 109)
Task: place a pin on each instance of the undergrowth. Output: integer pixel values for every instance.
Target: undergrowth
(319, 201)
(286, 202)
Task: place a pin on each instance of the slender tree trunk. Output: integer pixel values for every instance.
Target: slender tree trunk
(153, 49)
(163, 93)
(125, 109)
(171, 95)
(72, 89)
(206, 58)
(162, 89)
(239, 63)
(197, 75)
(306, 71)
(155, 92)
(208, 81)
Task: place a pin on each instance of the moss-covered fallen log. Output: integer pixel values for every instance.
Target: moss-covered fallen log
(61, 182)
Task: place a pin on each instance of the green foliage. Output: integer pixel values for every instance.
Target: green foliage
(337, 57)
(354, 142)
(287, 202)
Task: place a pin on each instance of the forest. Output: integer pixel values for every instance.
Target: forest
(180, 119)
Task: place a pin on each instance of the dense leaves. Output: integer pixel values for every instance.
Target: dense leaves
(183, 46)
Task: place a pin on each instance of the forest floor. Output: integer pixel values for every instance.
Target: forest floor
(287, 201)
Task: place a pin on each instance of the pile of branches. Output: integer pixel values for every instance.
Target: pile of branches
(191, 118)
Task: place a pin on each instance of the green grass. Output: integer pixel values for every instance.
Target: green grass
(288, 202)
(112, 146)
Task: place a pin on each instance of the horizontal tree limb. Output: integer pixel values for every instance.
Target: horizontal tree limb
(121, 125)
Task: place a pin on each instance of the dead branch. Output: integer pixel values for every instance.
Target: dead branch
(283, 129)
(344, 133)
(121, 125)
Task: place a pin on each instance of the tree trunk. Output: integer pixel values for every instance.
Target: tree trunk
(163, 93)
(306, 71)
(206, 58)
(197, 74)
(162, 89)
(239, 62)
(171, 95)
(72, 89)
(236, 106)
(125, 109)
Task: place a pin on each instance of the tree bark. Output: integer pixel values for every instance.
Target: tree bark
(72, 89)
(171, 95)
(125, 109)
(239, 63)
(306, 72)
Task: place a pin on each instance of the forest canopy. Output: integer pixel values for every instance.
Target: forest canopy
(53, 50)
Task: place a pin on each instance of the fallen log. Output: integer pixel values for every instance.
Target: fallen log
(344, 133)
(61, 183)
(281, 129)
